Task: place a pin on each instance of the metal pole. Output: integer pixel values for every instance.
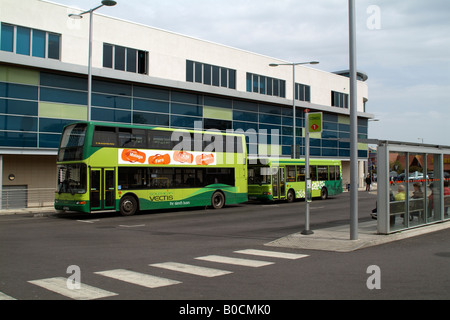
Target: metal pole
(91, 17)
(307, 230)
(294, 111)
(353, 126)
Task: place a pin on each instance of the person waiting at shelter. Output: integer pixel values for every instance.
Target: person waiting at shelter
(400, 196)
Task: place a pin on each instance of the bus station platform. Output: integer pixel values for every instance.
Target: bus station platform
(337, 238)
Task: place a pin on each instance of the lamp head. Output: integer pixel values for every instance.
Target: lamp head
(109, 3)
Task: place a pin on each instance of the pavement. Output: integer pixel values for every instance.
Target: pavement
(337, 238)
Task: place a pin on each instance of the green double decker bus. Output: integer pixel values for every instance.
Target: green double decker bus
(129, 168)
(284, 179)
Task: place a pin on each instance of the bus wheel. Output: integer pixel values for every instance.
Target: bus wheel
(218, 200)
(128, 206)
(290, 196)
(324, 193)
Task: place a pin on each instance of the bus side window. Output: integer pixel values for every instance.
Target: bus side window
(313, 173)
(300, 173)
(290, 173)
(338, 173)
(332, 172)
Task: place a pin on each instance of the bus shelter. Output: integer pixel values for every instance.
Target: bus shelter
(413, 185)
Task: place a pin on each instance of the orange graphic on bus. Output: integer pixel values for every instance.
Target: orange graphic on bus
(159, 159)
(204, 159)
(133, 156)
(183, 157)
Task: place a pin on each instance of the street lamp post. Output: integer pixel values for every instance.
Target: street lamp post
(307, 231)
(293, 64)
(108, 3)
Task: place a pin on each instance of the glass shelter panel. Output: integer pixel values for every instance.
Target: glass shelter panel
(433, 188)
(416, 188)
(446, 186)
(397, 192)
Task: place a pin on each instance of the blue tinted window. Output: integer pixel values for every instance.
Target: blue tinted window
(107, 55)
(7, 37)
(269, 109)
(49, 140)
(119, 58)
(53, 46)
(245, 116)
(12, 90)
(21, 107)
(186, 97)
(60, 81)
(247, 106)
(286, 140)
(154, 119)
(189, 71)
(23, 41)
(63, 96)
(39, 44)
(150, 93)
(110, 101)
(185, 122)
(18, 139)
(288, 121)
(111, 87)
(329, 152)
(266, 118)
(217, 102)
(187, 109)
(52, 125)
(111, 115)
(131, 60)
(18, 123)
(151, 105)
(287, 131)
(245, 126)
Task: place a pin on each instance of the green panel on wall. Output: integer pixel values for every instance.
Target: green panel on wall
(217, 113)
(62, 111)
(19, 75)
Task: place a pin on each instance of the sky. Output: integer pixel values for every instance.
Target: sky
(402, 45)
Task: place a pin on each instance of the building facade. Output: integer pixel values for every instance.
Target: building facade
(143, 75)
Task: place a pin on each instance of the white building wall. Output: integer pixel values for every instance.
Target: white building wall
(168, 51)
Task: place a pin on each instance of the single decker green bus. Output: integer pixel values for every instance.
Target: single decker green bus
(284, 179)
(128, 168)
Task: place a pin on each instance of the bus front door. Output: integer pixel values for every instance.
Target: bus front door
(278, 184)
(103, 189)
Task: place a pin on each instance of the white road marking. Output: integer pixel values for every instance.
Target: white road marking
(59, 285)
(137, 278)
(5, 297)
(235, 261)
(273, 254)
(196, 270)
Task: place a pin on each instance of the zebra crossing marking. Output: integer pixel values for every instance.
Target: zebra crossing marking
(236, 261)
(59, 285)
(272, 254)
(137, 278)
(5, 297)
(196, 270)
